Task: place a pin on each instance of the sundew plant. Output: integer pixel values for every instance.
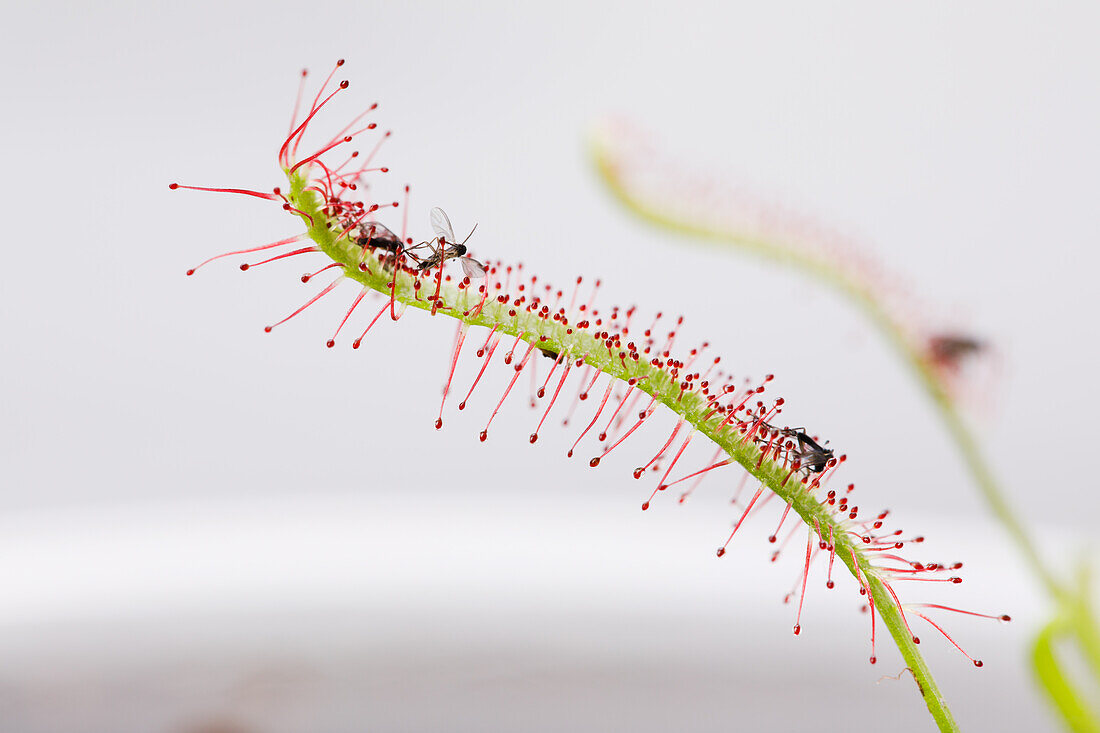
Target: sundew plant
(620, 365)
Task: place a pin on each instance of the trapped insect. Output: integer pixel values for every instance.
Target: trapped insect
(445, 247)
(813, 457)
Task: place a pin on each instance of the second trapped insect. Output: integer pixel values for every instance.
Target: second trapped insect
(445, 247)
(378, 236)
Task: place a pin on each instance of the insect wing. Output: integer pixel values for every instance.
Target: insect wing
(472, 267)
(442, 226)
(379, 231)
(381, 236)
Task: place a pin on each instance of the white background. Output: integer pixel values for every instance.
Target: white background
(184, 493)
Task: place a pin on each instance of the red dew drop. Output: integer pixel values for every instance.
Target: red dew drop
(330, 343)
(244, 268)
(594, 462)
(638, 472)
(916, 640)
(484, 435)
(438, 423)
(267, 329)
(797, 629)
(569, 454)
(1006, 617)
(874, 659)
(462, 405)
(541, 393)
(191, 272)
(602, 436)
(173, 186)
(645, 505)
(978, 663)
(771, 539)
(534, 437)
(355, 343)
(829, 584)
(721, 551)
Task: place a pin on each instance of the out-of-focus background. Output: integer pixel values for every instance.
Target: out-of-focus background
(204, 527)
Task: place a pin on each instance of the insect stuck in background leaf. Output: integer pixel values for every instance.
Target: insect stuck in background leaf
(950, 350)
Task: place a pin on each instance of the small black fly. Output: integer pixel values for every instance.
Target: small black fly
(445, 247)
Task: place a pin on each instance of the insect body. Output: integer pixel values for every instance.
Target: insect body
(809, 454)
(373, 234)
(445, 247)
(812, 456)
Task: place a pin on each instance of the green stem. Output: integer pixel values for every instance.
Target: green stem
(1068, 700)
(467, 306)
(1084, 628)
(894, 621)
(992, 494)
(1082, 619)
